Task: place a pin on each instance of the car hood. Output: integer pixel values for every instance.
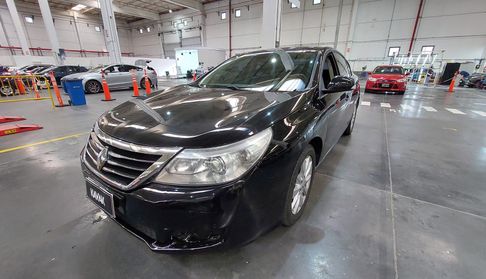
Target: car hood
(186, 116)
(388, 76)
(79, 76)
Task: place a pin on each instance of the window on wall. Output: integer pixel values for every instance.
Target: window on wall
(393, 51)
(316, 2)
(237, 13)
(223, 15)
(293, 6)
(427, 49)
(97, 29)
(149, 29)
(140, 30)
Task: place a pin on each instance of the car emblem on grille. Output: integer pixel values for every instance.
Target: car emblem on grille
(102, 158)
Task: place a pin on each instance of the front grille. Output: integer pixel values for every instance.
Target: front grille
(120, 166)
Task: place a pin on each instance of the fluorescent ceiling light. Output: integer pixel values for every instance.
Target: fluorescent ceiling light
(29, 19)
(78, 7)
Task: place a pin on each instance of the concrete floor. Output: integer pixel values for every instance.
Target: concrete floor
(405, 195)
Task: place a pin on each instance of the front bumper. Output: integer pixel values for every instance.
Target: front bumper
(385, 86)
(169, 218)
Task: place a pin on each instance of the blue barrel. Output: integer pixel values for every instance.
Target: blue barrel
(74, 88)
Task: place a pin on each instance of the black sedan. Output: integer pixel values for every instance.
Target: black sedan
(60, 72)
(218, 162)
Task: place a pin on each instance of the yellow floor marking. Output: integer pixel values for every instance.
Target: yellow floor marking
(24, 99)
(42, 142)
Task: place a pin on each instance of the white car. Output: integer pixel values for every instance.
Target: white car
(118, 76)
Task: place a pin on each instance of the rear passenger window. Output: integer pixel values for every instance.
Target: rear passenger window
(342, 64)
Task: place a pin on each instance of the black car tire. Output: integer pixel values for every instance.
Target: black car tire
(92, 87)
(478, 84)
(6, 91)
(401, 92)
(352, 121)
(142, 83)
(289, 218)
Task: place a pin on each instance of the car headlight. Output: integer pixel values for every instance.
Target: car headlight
(402, 80)
(372, 79)
(216, 165)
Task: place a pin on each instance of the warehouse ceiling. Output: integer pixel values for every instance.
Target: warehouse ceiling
(125, 10)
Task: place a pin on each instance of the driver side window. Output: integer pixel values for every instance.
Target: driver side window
(113, 69)
(329, 71)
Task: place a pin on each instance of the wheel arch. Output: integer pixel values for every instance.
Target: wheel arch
(317, 144)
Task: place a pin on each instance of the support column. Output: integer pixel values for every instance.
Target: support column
(4, 41)
(270, 31)
(161, 39)
(76, 30)
(202, 29)
(352, 27)
(338, 23)
(110, 32)
(18, 27)
(51, 31)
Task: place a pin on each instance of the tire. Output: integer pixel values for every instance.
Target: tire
(6, 91)
(401, 92)
(92, 87)
(142, 83)
(293, 211)
(350, 127)
(478, 84)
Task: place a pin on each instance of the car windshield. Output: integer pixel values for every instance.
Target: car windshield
(263, 72)
(388, 70)
(96, 69)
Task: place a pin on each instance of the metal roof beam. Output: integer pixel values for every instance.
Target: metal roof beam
(119, 9)
(190, 4)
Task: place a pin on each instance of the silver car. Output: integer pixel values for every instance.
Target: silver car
(118, 76)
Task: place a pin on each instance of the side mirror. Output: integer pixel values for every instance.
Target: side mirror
(339, 84)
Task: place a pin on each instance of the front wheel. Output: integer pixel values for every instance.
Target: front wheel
(299, 188)
(92, 87)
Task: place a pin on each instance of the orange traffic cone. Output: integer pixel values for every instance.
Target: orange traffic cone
(106, 90)
(135, 86)
(34, 87)
(453, 81)
(20, 85)
(147, 82)
(56, 90)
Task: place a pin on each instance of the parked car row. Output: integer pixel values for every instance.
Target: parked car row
(476, 80)
(118, 76)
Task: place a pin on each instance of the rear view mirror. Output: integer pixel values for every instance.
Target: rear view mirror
(339, 84)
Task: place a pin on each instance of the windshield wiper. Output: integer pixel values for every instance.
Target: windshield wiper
(229, 86)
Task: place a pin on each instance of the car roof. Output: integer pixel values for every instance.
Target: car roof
(389, 66)
(323, 49)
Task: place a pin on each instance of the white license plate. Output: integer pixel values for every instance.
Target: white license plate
(102, 198)
(385, 85)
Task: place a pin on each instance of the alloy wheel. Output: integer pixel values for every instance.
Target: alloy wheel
(93, 87)
(302, 184)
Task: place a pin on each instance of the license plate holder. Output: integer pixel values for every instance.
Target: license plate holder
(102, 198)
(386, 85)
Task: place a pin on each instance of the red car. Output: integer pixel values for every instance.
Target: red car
(387, 79)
